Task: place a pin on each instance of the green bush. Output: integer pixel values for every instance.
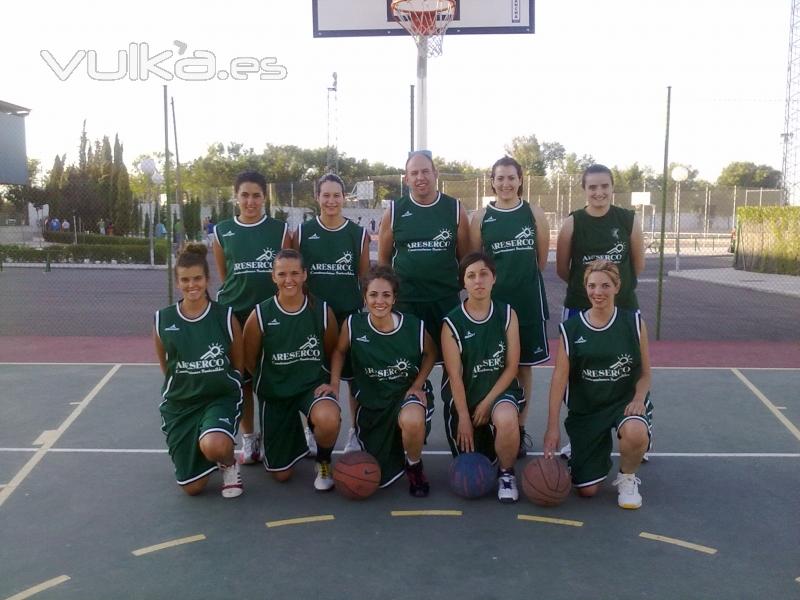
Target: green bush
(65, 237)
(768, 239)
(123, 254)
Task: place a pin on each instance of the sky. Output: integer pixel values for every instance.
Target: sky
(593, 77)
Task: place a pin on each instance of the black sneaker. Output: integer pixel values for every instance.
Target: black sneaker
(525, 443)
(418, 485)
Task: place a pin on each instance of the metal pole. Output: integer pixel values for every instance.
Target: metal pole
(733, 216)
(678, 227)
(705, 216)
(411, 105)
(170, 227)
(663, 222)
(422, 95)
(178, 194)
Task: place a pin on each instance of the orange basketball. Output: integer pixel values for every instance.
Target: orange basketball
(546, 481)
(357, 475)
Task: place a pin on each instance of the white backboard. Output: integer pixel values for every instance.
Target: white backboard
(353, 18)
(640, 198)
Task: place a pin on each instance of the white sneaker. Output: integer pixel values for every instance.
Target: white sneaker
(628, 490)
(251, 449)
(507, 491)
(566, 451)
(324, 480)
(311, 442)
(646, 457)
(352, 445)
(231, 480)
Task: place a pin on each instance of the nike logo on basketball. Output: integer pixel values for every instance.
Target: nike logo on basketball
(407, 214)
(363, 338)
(229, 234)
(172, 328)
(580, 340)
(274, 322)
(313, 237)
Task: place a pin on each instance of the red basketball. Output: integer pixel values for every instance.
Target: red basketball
(546, 481)
(357, 475)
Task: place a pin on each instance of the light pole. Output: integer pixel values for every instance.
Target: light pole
(148, 167)
(678, 174)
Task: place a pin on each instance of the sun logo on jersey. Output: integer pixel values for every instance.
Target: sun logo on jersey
(501, 350)
(445, 235)
(311, 343)
(214, 350)
(267, 255)
(400, 365)
(525, 232)
(622, 361)
(347, 258)
(617, 249)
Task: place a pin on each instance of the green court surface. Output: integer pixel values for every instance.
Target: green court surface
(88, 495)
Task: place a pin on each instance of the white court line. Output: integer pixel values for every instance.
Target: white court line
(772, 408)
(425, 452)
(12, 485)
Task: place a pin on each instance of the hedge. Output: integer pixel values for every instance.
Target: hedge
(768, 239)
(66, 237)
(72, 253)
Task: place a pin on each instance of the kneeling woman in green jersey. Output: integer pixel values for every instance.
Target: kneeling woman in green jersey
(483, 399)
(392, 356)
(199, 347)
(602, 373)
(287, 341)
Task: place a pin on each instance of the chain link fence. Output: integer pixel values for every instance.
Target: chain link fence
(86, 278)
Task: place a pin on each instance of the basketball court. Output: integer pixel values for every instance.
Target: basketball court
(90, 508)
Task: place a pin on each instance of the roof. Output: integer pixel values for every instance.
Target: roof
(13, 109)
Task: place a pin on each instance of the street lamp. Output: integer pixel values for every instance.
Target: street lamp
(678, 174)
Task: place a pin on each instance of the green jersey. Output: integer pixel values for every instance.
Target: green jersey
(425, 248)
(198, 354)
(384, 364)
(604, 364)
(332, 258)
(608, 238)
(249, 250)
(292, 352)
(509, 237)
(483, 347)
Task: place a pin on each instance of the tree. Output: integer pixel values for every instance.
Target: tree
(749, 175)
(527, 152)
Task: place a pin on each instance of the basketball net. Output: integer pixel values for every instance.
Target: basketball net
(426, 21)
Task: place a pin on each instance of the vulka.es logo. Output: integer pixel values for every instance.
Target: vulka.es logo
(137, 63)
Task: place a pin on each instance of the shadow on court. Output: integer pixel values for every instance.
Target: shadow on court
(87, 482)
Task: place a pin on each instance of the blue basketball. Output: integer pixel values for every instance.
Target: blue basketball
(472, 475)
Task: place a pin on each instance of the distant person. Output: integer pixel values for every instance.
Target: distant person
(101, 227)
(602, 375)
(372, 225)
(517, 236)
(65, 225)
(161, 230)
(110, 228)
(244, 248)
(199, 347)
(422, 236)
(55, 224)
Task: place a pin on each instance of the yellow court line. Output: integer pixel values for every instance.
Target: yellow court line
(677, 542)
(169, 544)
(45, 585)
(426, 513)
(773, 409)
(550, 520)
(300, 520)
(39, 455)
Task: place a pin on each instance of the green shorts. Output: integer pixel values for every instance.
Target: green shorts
(380, 435)
(590, 437)
(533, 347)
(432, 314)
(185, 425)
(282, 428)
(483, 436)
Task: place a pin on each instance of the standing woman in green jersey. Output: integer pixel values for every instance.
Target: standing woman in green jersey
(288, 339)
(336, 252)
(480, 343)
(517, 236)
(244, 248)
(392, 356)
(602, 374)
(199, 348)
(601, 231)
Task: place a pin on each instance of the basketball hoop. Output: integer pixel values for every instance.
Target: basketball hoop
(426, 20)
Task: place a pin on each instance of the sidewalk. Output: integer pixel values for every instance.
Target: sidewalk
(787, 285)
